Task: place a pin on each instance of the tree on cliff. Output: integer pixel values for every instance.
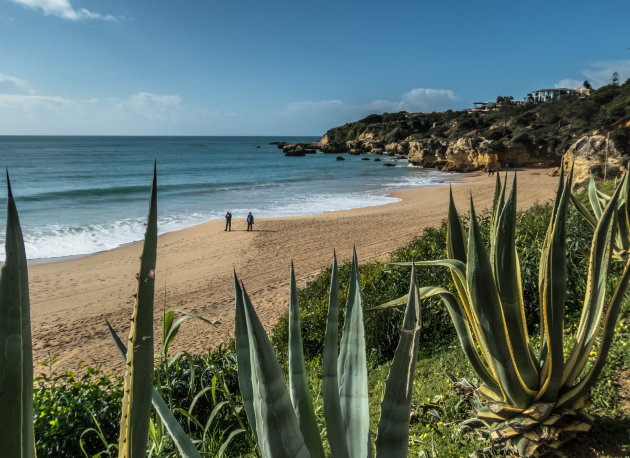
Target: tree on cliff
(506, 108)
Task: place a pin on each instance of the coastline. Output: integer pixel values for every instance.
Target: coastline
(70, 299)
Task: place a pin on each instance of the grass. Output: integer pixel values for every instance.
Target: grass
(199, 388)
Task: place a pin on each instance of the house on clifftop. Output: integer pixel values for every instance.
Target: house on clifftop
(551, 95)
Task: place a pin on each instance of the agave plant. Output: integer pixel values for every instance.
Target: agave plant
(598, 201)
(285, 424)
(532, 398)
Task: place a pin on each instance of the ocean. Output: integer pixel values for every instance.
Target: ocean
(81, 195)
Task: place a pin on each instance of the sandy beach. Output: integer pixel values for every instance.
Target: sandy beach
(70, 300)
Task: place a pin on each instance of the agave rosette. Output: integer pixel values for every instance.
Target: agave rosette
(532, 397)
(285, 423)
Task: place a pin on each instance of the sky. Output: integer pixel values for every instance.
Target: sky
(208, 67)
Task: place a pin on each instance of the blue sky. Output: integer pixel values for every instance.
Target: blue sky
(204, 67)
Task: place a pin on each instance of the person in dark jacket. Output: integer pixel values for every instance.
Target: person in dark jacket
(250, 222)
(228, 222)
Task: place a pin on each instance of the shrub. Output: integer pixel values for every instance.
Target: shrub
(66, 406)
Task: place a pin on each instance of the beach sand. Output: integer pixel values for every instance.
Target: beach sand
(70, 300)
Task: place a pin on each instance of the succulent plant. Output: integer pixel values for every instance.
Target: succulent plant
(285, 424)
(532, 398)
(598, 201)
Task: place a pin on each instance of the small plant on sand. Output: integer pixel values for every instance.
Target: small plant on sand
(532, 398)
(285, 424)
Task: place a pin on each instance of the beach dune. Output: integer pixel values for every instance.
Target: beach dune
(70, 300)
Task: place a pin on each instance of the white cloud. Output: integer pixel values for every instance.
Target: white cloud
(600, 73)
(11, 83)
(64, 10)
(27, 103)
(569, 83)
(427, 100)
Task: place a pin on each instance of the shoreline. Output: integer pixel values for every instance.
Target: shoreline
(390, 194)
(70, 299)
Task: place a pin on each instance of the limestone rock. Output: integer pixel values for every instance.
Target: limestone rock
(594, 153)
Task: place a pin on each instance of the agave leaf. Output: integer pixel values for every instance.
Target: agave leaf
(507, 275)
(330, 384)
(136, 406)
(399, 302)
(300, 393)
(599, 261)
(352, 372)
(553, 295)
(277, 428)
(183, 443)
(588, 216)
(457, 266)
(485, 301)
(497, 208)
(16, 351)
(593, 197)
(458, 272)
(392, 439)
(455, 233)
(623, 221)
(581, 389)
(242, 355)
(463, 328)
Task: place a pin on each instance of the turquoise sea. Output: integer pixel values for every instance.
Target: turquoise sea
(80, 195)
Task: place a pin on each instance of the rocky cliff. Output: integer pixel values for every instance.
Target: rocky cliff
(587, 129)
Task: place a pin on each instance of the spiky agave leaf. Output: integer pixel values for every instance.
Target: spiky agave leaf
(485, 301)
(243, 356)
(352, 372)
(277, 429)
(595, 296)
(330, 382)
(300, 393)
(599, 201)
(136, 406)
(392, 439)
(16, 352)
(183, 443)
(507, 274)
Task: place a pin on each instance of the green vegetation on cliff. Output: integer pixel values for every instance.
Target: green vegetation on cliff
(543, 129)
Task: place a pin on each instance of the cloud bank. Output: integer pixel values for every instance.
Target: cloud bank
(64, 10)
(25, 112)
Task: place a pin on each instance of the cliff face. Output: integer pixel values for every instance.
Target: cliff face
(511, 135)
(596, 154)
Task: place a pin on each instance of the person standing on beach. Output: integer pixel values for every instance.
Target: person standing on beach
(228, 222)
(250, 222)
